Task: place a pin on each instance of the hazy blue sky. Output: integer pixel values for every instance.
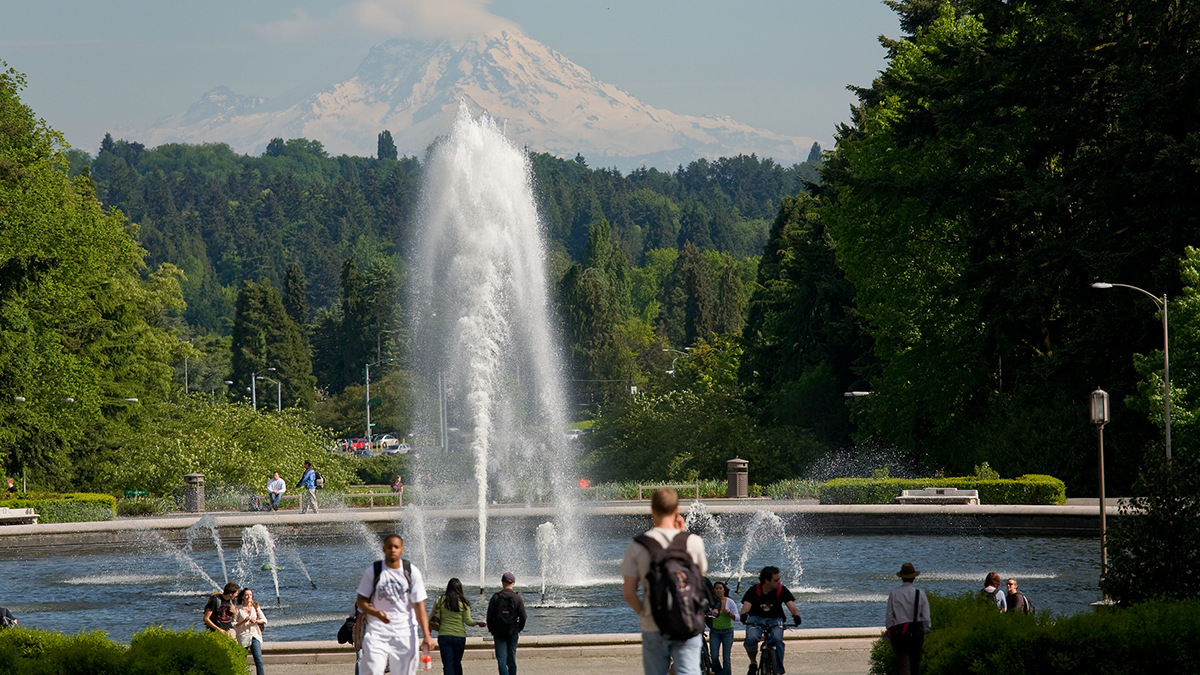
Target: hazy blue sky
(780, 65)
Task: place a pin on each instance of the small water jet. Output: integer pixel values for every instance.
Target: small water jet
(767, 524)
(701, 521)
(257, 539)
(155, 541)
(208, 522)
(547, 547)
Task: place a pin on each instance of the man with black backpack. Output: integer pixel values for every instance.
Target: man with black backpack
(505, 621)
(1016, 600)
(309, 483)
(669, 564)
(907, 621)
(391, 598)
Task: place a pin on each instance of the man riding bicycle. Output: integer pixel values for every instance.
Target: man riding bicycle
(762, 609)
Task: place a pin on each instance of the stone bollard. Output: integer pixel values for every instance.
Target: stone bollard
(739, 479)
(193, 493)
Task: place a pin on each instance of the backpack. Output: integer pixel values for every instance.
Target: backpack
(319, 483)
(507, 612)
(6, 619)
(675, 589)
(223, 613)
(1028, 607)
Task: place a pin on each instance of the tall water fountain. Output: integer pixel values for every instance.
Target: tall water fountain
(483, 343)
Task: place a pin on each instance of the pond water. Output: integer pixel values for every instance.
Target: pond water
(840, 581)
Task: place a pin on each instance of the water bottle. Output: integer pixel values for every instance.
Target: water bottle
(426, 660)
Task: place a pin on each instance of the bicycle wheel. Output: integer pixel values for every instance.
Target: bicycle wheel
(706, 666)
(766, 660)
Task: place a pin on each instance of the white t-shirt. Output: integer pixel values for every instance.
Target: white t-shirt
(276, 485)
(393, 596)
(636, 563)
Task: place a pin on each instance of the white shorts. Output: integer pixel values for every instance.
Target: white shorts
(383, 649)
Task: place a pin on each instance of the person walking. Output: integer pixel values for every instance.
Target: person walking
(991, 590)
(454, 612)
(219, 611)
(505, 621)
(275, 489)
(249, 621)
(1016, 600)
(309, 482)
(907, 621)
(720, 638)
(762, 611)
(391, 594)
(659, 649)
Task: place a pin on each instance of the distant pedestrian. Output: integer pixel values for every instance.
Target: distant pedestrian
(720, 638)
(1016, 600)
(991, 590)
(454, 612)
(398, 485)
(275, 488)
(248, 623)
(7, 620)
(309, 482)
(505, 621)
(12, 487)
(907, 621)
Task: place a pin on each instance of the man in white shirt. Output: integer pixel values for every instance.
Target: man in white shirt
(658, 649)
(276, 487)
(907, 621)
(395, 609)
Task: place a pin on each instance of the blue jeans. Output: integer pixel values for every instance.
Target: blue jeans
(256, 652)
(755, 626)
(721, 640)
(452, 648)
(659, 650)
(275, 497)
(506, 654)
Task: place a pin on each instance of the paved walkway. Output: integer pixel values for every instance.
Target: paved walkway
(840, 655)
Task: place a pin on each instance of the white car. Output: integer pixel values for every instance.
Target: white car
(386, 441)
(401, 449)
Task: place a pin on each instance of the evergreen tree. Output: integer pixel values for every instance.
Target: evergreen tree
(295, 299)
(264, 336)
(386, 146)
(689, 299)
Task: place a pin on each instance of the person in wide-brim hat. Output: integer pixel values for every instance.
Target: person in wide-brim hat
(907, 571)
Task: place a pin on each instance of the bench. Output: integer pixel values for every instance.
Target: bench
(356, 498)
(939, 496)
(11, 516)
(675, 487)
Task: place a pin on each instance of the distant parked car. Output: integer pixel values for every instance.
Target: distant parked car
(386, 441)
(399, 449)
(359, 444)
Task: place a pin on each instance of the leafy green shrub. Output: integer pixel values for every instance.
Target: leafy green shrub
(970, 636)
(71, 507)
(154, 651)
(1029, 489)
(150, 506)
(382, 469)
(1152, 552)
(158, 651)
(793, 489)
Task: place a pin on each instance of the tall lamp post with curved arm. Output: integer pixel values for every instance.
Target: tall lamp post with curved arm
(671, 372)
(1161, 303)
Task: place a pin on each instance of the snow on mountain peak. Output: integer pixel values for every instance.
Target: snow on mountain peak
(414, 87)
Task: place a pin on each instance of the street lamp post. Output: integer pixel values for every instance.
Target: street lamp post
(254, 389)
(1100, 418)
(1161, 303)
(367, 367)
(671, 372)
(278, 392)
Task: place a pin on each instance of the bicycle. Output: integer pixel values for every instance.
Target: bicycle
(706, 666)
(766, 654)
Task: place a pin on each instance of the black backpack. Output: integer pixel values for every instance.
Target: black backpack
(676, 591)
(319, 483)
(345, 634)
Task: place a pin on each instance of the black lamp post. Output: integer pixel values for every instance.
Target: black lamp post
(1100, 418)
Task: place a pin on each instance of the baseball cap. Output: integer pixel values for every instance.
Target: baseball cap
(508, 578)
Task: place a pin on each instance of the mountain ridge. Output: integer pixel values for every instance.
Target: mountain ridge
(414, 87)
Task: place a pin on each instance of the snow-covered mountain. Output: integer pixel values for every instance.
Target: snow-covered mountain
(413, 88)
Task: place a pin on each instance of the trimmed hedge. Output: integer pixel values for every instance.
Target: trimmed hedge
(970, 636)
(71, 507)
(1029, 489)
(154, 651)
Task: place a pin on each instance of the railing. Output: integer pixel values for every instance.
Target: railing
(595, 490)
(675, 487)
(354, 497)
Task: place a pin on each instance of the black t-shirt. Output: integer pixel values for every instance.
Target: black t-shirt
(770, 605)
(222, 611)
